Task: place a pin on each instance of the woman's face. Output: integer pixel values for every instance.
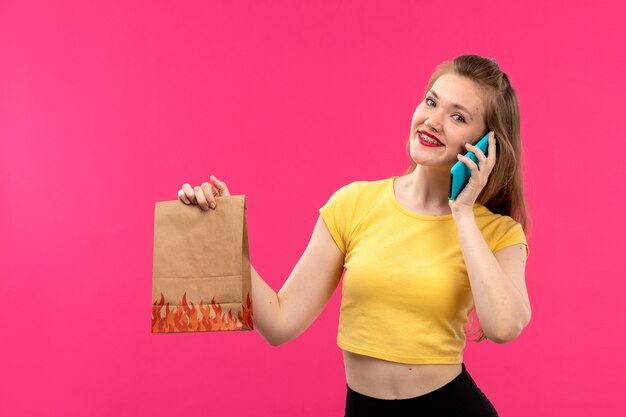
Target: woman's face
(451, 126)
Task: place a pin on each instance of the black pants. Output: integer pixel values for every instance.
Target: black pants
(459, 397)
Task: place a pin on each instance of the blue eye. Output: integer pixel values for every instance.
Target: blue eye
(461, 117)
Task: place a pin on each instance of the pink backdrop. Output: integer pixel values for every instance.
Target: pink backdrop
(106, 109)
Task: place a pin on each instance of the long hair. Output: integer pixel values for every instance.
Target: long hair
(504, 192)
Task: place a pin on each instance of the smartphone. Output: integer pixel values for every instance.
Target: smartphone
(460, 173)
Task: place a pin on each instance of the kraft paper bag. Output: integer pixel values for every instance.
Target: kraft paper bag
(201, 267)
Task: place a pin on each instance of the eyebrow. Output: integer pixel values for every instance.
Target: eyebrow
(456, 106)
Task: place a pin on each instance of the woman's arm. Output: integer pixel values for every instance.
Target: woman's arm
(282, 317)
(497, 281)
(265, 308)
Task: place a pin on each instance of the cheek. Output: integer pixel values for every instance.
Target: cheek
(418, 117)
(460, 148)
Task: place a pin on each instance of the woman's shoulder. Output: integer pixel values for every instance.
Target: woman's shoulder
(494, 223)
(364, 185)
(485, 211)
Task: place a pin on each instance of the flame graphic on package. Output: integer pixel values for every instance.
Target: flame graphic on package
(191, 318)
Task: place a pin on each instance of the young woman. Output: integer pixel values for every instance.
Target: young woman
(415, 262)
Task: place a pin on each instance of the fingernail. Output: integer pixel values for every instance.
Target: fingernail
(212, 205)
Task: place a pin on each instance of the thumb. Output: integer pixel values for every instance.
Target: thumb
(220, 185)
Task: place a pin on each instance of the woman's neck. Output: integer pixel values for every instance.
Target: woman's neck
(427, 188)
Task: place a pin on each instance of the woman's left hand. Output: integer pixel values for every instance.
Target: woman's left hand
(464, 202)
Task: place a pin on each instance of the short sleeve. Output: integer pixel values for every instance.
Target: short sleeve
(511, 233)
(338, 214)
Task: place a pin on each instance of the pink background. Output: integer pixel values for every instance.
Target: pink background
(106, 109)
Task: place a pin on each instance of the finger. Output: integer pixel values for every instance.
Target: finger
(209, 193)
(220, 185)
(182, 197)
(477, 151)
(191, 196)
(492, 147)
(200, 198)
(471, 165)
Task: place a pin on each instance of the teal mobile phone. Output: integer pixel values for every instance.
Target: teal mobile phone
(460, 173)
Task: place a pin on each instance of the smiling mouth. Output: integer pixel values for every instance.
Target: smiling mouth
(427, 139)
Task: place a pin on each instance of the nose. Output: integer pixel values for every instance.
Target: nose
(433, 121)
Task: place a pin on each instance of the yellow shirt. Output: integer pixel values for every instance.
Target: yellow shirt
(406, 294)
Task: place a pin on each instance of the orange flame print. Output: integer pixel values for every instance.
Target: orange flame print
(190, 318)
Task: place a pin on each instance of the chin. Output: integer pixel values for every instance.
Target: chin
(431, 162)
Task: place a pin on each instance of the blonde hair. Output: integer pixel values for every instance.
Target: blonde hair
(504, 192)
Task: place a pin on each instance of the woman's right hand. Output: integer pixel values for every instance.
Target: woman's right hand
(203, 195)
